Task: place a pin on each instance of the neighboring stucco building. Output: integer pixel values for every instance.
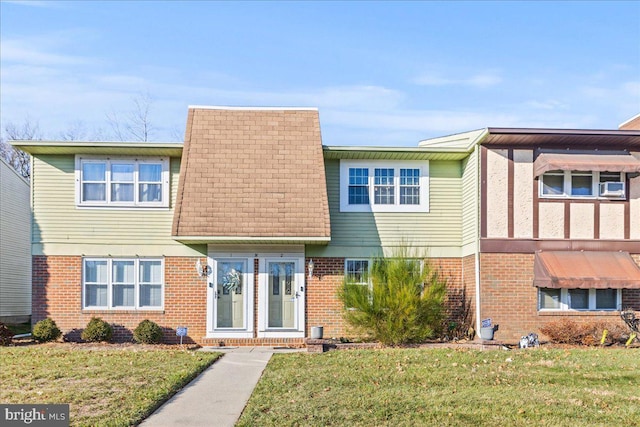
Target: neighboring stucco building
(559, 225)
(245, 233)
(15, 246)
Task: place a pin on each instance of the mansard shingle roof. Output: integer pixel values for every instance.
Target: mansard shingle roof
(252, 174)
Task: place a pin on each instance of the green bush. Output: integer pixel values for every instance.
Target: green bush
(46, 330)
(97, 330)
(403, 304)
(148, 332)
(6, 336)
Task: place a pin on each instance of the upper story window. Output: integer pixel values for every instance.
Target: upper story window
(575, 184)
(384, 186)
(123, 182)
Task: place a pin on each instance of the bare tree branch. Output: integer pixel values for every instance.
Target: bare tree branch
(136, 125)
(20, 160)
(76, 131)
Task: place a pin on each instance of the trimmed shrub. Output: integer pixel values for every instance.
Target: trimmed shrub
(97, 330)
(6, 336)
(148, 332)
(403, 304)
(46, 330)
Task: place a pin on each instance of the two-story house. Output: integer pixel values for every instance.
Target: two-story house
(15, 246)
(244, 233)
(559, 225)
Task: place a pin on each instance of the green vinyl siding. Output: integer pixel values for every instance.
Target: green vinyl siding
(470, 203)
(438, 232)
(61, 228)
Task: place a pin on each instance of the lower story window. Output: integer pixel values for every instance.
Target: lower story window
(579, 299)
(122, 283)
(357, 271)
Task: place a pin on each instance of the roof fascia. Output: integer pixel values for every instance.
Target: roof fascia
(173, 149)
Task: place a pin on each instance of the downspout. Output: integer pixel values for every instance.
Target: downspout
(479, 211)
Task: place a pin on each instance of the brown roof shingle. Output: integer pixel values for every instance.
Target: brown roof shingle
(252, 173)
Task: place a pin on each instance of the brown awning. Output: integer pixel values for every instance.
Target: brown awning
(585, 162)
(583, 270)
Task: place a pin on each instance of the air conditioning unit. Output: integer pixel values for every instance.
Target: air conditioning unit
(612, 189)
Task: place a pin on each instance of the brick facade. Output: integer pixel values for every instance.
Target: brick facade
(324, 307)
(57, 293)
(509, 298)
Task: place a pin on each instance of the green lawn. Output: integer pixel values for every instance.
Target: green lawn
(418, 387)
(115, 387)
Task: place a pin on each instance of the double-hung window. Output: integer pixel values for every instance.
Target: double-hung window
(130, 284)
(578, 299)
(122, 182)
(357, 271)
(358, 186)
(577, 184)
(384, 186)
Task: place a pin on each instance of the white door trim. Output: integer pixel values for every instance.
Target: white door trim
(248, 292)
(263, 298)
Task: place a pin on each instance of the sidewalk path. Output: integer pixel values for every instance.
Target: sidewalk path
(217, 397)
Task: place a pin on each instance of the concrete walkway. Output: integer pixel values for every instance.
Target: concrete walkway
(218, 396)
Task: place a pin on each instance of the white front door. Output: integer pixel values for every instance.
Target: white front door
(282, 295)
(281, 305)
(231, 293)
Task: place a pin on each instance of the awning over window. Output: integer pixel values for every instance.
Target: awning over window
(585, 162)
(583, 270)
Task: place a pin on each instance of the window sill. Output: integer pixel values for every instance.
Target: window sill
(229, 334)
(592, 313)
(581, 198)
(121, 207)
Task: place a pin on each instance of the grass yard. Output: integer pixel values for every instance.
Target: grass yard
(115, 387)
(419, 387)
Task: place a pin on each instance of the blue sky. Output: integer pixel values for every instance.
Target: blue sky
(381, 73)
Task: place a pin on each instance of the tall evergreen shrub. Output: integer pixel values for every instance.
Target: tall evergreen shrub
(404, 302)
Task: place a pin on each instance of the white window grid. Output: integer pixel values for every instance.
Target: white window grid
(568, 190)
(392, 186)
(111, 283)
(354, 267)
(565, 300)
(108, 182)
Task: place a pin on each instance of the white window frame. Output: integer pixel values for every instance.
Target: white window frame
(136, 203)
(347, 274)
(372, 165)
(566, 193)
(137, 284)
(564, 301)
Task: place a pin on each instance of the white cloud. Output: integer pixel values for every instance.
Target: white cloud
(34, 3)
(481, 80)
(549, 104)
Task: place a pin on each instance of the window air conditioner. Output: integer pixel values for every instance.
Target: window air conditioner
(612, 189)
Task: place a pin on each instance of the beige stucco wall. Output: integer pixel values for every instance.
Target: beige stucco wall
(611, 221)
(582, 221)
(551, 221)
(497, 194)
(522, 194)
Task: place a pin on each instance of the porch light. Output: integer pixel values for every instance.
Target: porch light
(310, 266)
